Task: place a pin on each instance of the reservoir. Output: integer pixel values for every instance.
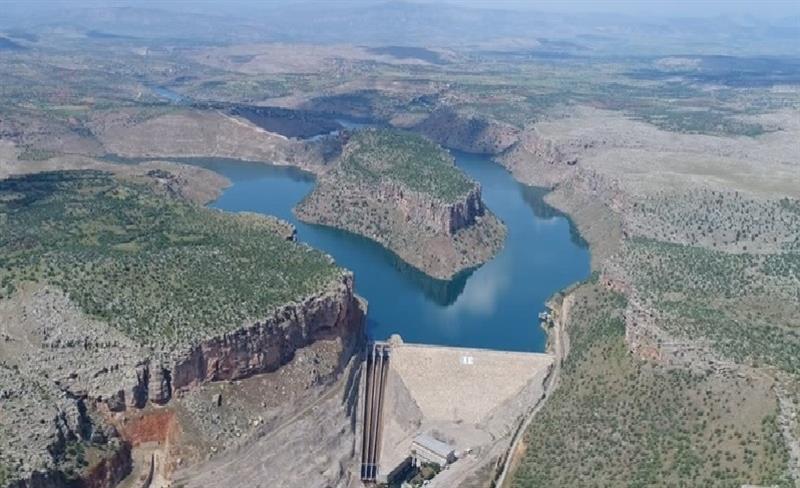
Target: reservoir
(494, 306)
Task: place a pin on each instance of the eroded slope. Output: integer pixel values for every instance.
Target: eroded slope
(117, 297)
(405, 192)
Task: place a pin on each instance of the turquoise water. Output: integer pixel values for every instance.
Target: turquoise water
(494, 306)
(168, 95)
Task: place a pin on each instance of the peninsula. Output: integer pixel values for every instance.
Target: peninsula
(404, 192)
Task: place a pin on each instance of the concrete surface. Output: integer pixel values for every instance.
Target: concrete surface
(471, 398)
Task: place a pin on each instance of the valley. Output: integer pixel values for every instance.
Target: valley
(203, 234)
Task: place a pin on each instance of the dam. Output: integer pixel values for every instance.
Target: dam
(469, 399)
(470, 372)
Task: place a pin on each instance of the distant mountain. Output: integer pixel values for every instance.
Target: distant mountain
(401, 23)
(128, 23)
(7, 44)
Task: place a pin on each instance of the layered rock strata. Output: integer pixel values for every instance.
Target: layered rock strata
(423, 211)
(260, 347)
(404, 192)
(438, 238)
(104, 373)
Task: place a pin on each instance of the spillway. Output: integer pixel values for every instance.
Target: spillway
(376, 372)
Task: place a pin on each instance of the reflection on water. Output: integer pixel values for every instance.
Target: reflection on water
(168, 95)
(534, 197)
(492, 306)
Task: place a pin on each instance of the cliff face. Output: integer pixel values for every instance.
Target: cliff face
(260, 347)
(107, 473)
(206, 133)
(423, 211)
(438, 238)
(110, 470)
(267, 345)
(471, 134)
(541, 161)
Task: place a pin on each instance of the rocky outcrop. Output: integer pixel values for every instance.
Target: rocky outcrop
(465, 133)
(107, 473)
(540, 161)
(260, 347)
(206, 133)
(423, 211)
(438, 238)
(266, 345)
(72, 425)
(110, 470)
(334, 313)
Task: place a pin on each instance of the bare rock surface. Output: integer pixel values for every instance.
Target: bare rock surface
(404, 192)
(467, 133)
(196, 133)
(439, 239)
(288, 428)
(58, 364)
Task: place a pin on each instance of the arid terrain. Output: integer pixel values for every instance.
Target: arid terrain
(148, 340)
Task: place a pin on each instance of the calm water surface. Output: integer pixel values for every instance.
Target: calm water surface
(494, 306)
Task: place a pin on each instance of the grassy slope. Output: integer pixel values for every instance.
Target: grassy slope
(408, 159)
(158, 269)
(619, 421)
(747, 305)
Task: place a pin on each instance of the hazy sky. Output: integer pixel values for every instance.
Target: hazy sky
(647, 8)
(664, 8)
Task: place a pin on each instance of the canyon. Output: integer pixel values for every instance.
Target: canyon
(440, 231)
(156, 381)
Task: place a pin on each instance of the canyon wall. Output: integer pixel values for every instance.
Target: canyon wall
(70, 426)
(207, 134)
(440, 239)
(260, 347)
(464, 133)
(424, 211)
(85, 414)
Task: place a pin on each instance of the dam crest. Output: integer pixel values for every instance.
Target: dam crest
(428, 404)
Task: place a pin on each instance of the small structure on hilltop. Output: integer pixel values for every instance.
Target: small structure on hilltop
(426, 449)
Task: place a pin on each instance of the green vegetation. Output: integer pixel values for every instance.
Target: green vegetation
(74, 460)
(158, 269)
(724, 220)
(425, 472)
(618, 421)
(745, 304)
(34, 154)
(530, 90)
(408, 159)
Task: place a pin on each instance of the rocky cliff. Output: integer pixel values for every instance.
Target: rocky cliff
(422, 210)
(70, 447)
(203, 134)
(466, 133)
(406, 193)
(84, 407)
(436, 237)
(540, 160)
(260, 347)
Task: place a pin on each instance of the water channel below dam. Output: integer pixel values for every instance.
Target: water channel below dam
(494, 306)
